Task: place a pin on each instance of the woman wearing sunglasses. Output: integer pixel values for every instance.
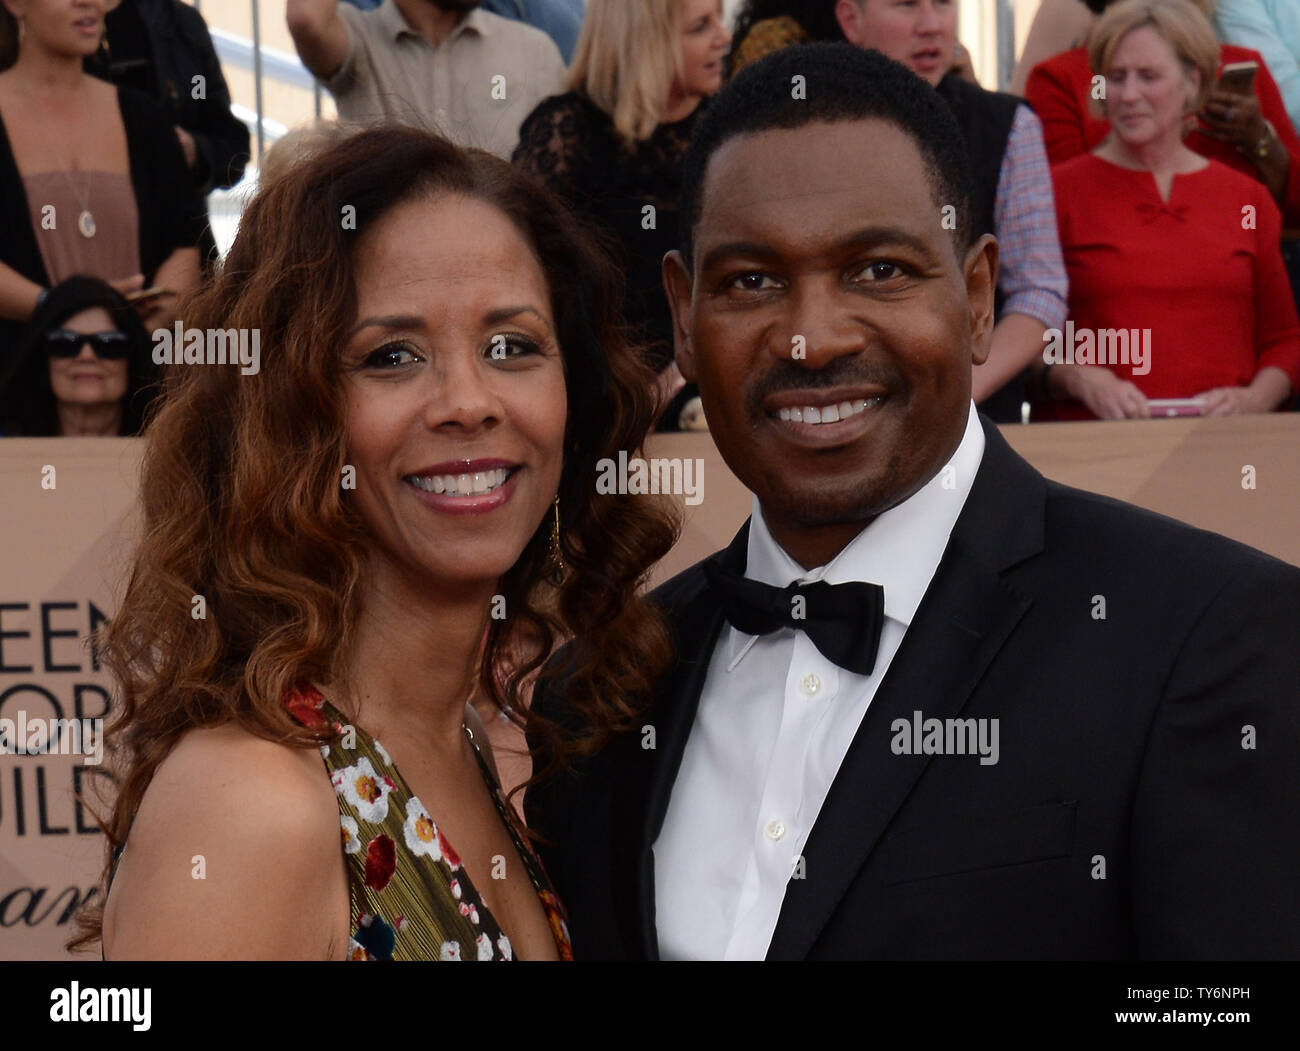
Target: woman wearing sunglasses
(83, 367)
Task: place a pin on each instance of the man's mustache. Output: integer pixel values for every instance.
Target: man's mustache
(842, 372)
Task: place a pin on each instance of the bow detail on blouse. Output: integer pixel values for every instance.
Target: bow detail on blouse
(1151, 212)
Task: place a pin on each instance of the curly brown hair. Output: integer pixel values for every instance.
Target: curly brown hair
(242, 502)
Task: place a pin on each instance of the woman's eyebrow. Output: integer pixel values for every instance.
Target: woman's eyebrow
(493, 317)
(388, 321)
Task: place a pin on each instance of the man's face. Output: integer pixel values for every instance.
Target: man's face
(456, 5)
(824, 280)
(921, 34)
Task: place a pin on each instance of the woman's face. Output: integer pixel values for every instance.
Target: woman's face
(1148, 91)
(455, 403)
(704, 42)
(70, 27)
(87, 379)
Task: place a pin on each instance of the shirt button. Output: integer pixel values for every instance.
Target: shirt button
(775, 829)
(810, 683)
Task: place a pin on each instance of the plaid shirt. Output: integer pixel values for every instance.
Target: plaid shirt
(1031, 268)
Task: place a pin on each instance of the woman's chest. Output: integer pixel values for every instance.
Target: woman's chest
(85, 138)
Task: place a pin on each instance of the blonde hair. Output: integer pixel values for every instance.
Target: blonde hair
(1180, 22)
(626, 59)
(300, 143)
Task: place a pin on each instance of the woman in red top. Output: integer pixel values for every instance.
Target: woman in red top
(1177, 288)
(1250, 133)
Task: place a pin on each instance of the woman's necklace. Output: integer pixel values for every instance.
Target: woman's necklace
(85, 221)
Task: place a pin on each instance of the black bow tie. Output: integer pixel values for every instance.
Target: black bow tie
(843, 621)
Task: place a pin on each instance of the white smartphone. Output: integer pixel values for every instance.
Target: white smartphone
(1175, 406)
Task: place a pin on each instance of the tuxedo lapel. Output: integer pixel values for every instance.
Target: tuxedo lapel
(696, 616)
(965, 617)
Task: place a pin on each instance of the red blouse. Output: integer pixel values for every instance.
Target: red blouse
(1215, 296)
(1060, 91)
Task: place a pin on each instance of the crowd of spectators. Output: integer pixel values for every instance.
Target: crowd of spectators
(1135, 188)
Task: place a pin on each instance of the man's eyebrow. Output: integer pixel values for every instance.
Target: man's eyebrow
(413, 321)
(866, 237)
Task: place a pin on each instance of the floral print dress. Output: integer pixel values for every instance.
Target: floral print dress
(410, 897)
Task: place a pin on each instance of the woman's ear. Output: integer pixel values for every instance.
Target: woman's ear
(1193, 76)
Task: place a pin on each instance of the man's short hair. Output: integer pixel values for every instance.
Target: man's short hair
(840, 83)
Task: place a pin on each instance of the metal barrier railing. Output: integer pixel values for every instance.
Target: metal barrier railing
(264, 63)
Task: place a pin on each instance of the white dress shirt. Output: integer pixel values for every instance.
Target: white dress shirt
(774, 723)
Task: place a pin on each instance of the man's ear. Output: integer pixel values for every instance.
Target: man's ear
(981, 270)
(849, 14)
(677, 287)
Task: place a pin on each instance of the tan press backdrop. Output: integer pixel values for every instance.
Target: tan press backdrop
(63, 552)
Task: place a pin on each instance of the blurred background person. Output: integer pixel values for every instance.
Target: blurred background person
(1057, 26)
(92, 177)
(299, 143)
(429, 63)
(1158, 237)
(558, 19)
(612, 145)
(1271, 27)
(163, 48)
(1248, 132)
(561, 20)
(84, 367)
(1011, 182)
(764, 26)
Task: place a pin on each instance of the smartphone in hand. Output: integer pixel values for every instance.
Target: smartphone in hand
(1238, 77)
(145, 297)
(1175, 407)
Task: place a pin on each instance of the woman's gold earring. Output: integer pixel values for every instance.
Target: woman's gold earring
(558, 568)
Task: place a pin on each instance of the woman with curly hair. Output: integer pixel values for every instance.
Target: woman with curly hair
(764, 26)
(398, 510)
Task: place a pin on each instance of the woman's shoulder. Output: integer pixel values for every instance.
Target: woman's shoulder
(237, 786)
(1237, 53)
(572, 105)
(1066, 65)
(1079, 170)
(1218, 182)
(204, 748)
(231, 852)
(561, 135)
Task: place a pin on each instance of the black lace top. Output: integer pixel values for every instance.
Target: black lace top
(571, 145)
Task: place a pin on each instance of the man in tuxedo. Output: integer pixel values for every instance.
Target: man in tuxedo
(927, 704)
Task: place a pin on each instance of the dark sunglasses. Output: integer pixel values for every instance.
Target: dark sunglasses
(64, 343)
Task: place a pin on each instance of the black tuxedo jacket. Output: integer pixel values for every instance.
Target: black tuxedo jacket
(1146, 801)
